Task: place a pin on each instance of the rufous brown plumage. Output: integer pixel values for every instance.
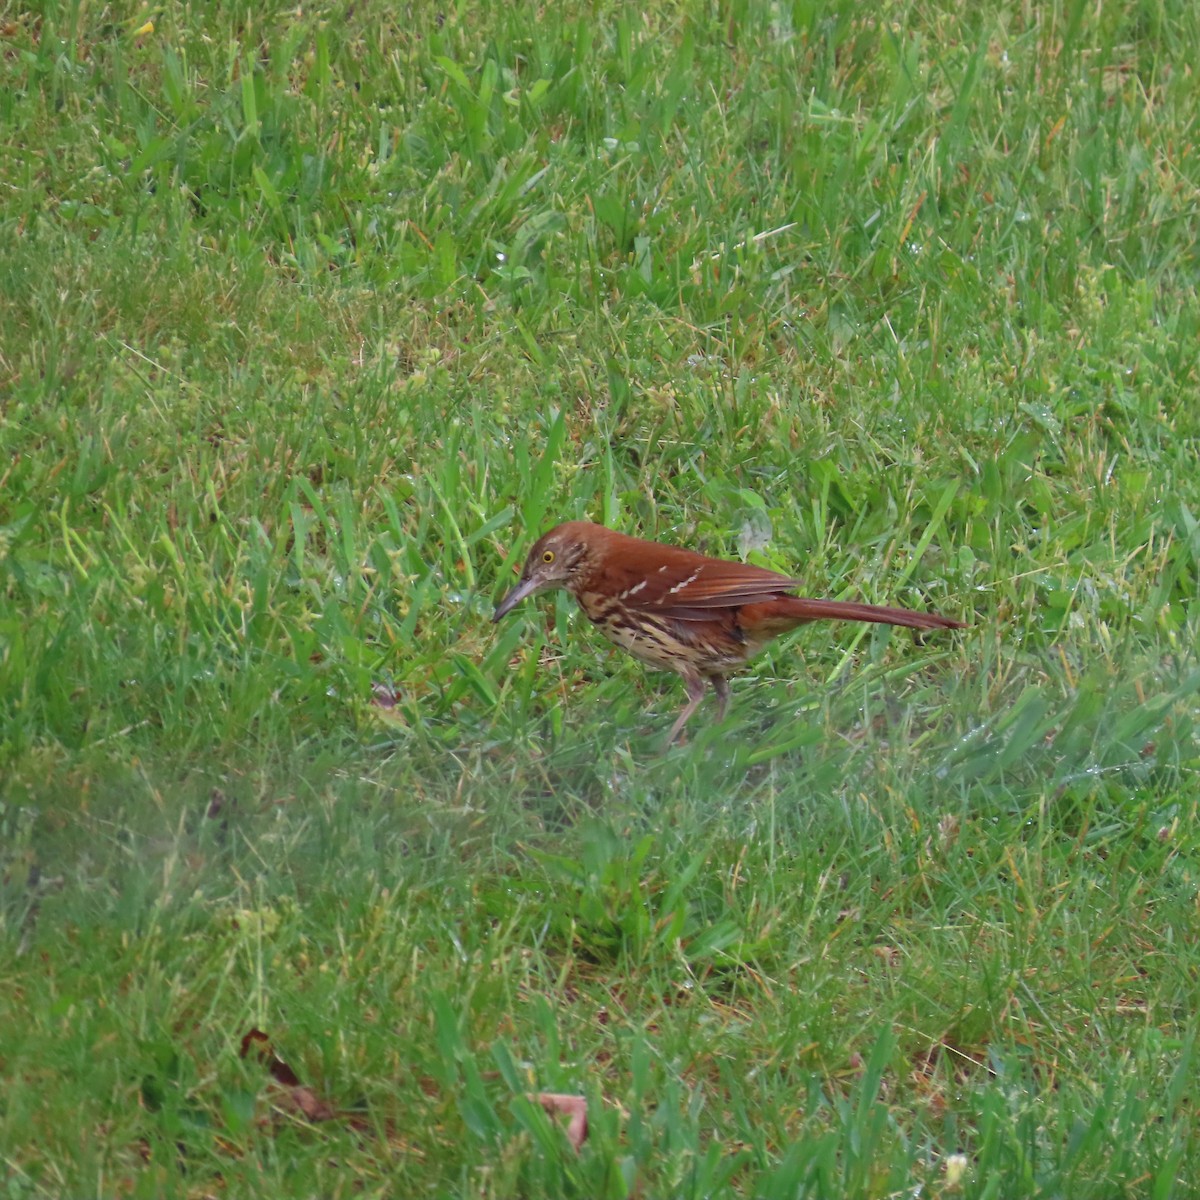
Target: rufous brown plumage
(680, 611)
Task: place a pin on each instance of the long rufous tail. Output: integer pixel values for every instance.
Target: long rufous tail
(787, 611)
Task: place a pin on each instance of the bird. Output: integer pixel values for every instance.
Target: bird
(679, 610)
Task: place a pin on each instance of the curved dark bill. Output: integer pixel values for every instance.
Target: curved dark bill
(525, 588)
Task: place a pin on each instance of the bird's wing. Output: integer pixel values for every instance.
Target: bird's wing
(689, 586)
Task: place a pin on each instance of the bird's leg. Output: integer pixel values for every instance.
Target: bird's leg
(695, 690)
(721, 688)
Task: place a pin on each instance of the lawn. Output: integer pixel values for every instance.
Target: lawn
(313, 317)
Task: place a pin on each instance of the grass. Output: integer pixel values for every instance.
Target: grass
(311, 319)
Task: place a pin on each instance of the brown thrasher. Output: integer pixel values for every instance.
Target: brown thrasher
(682, 611)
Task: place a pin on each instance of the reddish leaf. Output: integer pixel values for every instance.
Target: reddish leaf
(291, 1094)
(573, 1106)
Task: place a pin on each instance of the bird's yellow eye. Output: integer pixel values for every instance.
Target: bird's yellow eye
(547, 556)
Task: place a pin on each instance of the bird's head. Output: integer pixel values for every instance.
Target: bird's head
(558, 559)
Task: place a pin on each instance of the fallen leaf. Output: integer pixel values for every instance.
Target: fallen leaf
(573, 1106)
(290, 1094)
